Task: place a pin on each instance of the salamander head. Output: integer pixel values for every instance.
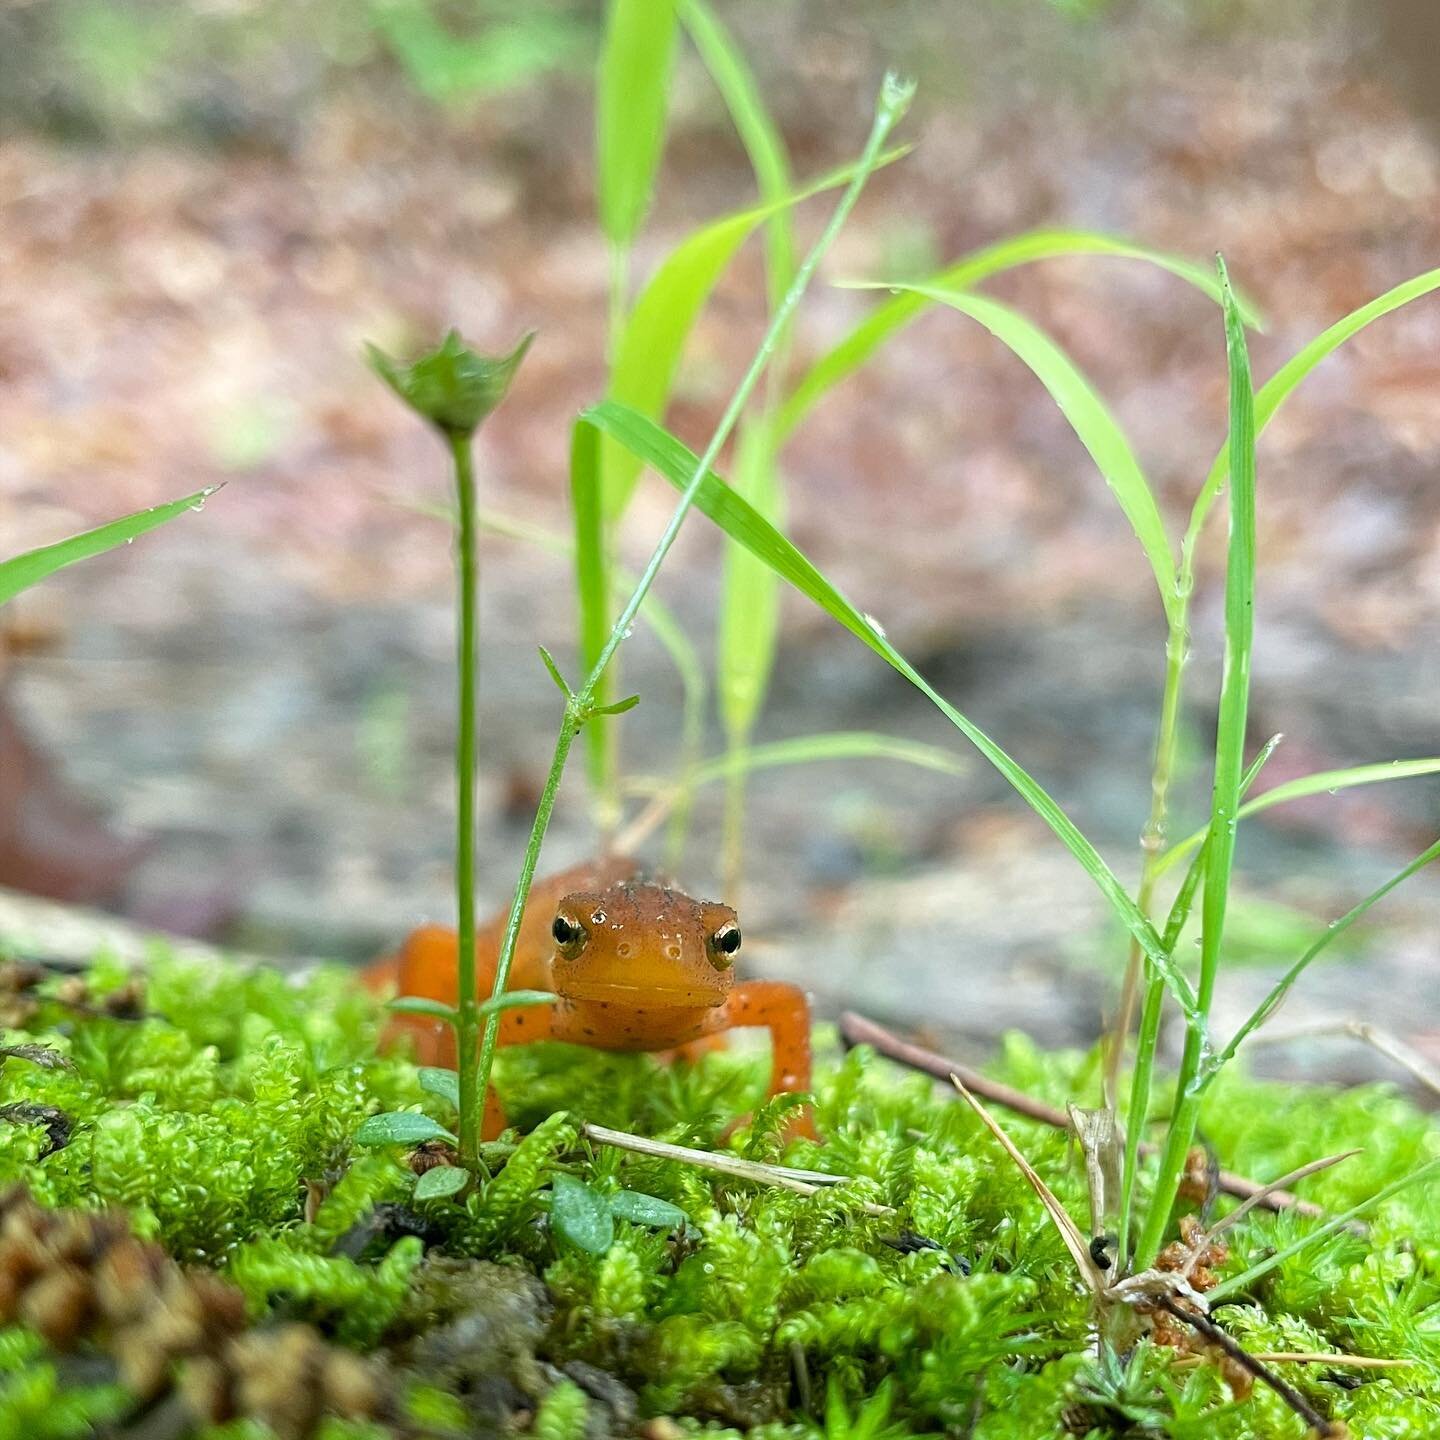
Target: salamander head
(643, 945)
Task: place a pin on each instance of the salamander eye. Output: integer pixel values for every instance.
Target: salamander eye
(723, 945)
(570, 935)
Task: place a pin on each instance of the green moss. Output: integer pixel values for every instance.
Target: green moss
(228, 1122)
(37, 1404)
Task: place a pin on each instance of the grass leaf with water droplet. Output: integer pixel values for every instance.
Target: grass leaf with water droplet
(581, 1215)
(401, 1127)
(20, 572)
(1321, 783)
(441, 1181)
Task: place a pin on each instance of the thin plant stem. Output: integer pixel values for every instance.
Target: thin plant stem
(732, 833)
(1229, 757)
(467, 551)
(607, 799)
(1148, 1043)
(1152, 837)
(580, 705)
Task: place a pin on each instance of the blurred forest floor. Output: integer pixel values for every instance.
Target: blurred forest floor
(257, 701)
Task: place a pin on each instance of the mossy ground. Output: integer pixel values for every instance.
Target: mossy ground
(226, 1118)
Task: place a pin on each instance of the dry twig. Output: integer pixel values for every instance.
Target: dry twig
(802, 1182)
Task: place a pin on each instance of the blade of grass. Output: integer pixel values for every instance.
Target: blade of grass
(1273, 394)
(833, 745)
(887, 320)
(1322, 782)
(20, 572)
(1229, 764)
(1333, 932)
(1089, 417)
(648, 347)
(632, 97)
(1234, 1284)
(1285, 1182)
(672, 460)
(1147, 1046)
(804, 750)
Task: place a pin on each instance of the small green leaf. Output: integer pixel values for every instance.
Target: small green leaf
(555, 674)
(515, 1000)
(422, 1005)
(1277, 389)
(617, 707)
(452, 387)
(401, 1127)
(581, 1215)
(444, 1083)
(20, 572)
(442, 1180)
(642, 1209)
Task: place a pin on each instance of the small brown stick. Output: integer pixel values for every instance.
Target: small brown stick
(858, 1030)
(1216, 1336)
(802, 1182)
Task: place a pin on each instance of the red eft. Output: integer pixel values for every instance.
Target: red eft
(634, 966)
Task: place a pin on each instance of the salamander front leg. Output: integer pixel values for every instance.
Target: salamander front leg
(784, 1011)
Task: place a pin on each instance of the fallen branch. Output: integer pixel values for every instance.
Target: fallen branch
(802, 1182)
(858, 1030)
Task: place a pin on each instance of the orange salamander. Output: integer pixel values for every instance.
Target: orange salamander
(634, 966)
